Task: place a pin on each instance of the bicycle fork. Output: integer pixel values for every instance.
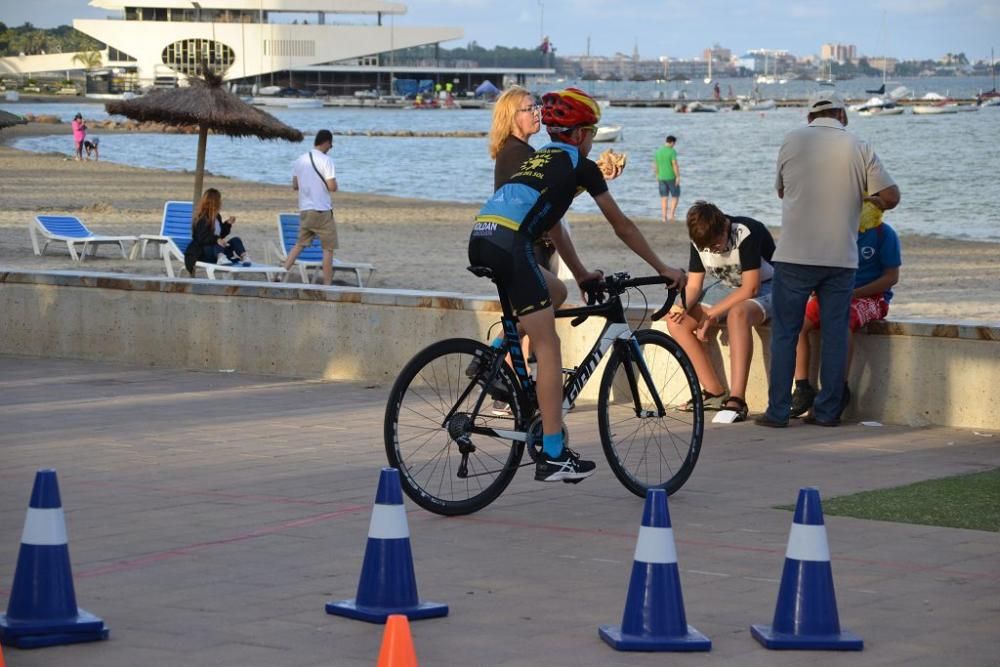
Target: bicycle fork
(632, 353)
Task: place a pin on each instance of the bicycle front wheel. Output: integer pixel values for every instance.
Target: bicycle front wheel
(646, 450)
(428, 429)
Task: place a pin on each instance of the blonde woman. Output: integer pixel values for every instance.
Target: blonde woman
(516, 117)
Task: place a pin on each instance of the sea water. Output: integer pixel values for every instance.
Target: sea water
(945, 165)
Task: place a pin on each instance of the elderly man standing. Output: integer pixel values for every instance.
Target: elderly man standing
(824, 175)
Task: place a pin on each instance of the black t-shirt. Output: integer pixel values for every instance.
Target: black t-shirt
(537, 197)
(509, 159)
(750, 247)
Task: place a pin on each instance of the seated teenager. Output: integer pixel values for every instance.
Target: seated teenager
(737, 252)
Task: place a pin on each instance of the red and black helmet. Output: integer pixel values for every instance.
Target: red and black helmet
(569, 108)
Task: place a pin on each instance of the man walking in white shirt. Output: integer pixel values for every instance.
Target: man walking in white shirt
(314, 177)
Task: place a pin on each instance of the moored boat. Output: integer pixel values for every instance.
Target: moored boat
(608, 133)
(888, 110)
(289, 102)
(935, 109)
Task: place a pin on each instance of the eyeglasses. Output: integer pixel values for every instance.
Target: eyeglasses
(591, 128)
(534, 108)
(721, 245)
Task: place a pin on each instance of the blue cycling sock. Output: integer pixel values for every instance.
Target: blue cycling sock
(552, 444)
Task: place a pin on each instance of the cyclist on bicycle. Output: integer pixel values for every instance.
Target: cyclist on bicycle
(529, 204)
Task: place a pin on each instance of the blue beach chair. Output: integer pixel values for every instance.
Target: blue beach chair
(175, 237)
(69, 230)
(311, 256)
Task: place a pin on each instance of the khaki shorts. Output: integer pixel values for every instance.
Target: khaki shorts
(319, 224)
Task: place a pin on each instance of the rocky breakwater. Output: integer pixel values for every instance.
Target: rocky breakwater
(117, 125)
(410, 133)
(111, 125)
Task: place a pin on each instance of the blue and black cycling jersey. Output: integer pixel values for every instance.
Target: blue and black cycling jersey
(538, 195)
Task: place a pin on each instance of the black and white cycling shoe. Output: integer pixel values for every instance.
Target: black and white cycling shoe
(567, 467)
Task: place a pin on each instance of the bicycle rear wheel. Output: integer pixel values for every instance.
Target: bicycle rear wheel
(420, 440)
(644, 449)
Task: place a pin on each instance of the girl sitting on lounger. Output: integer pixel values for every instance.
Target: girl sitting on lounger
(210, 235)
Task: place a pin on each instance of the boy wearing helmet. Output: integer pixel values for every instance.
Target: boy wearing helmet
(529, 204)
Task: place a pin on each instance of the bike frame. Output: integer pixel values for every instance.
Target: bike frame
(616, 332)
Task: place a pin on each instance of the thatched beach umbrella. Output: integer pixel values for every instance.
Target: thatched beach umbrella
(8, 119)
(209, 106)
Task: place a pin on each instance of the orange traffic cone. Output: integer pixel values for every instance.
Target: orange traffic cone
(397, 645)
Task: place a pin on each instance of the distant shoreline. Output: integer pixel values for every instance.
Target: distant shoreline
(414, 243)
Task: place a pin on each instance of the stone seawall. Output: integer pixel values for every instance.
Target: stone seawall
(915, 373)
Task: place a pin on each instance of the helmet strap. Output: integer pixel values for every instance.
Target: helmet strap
(565, 136)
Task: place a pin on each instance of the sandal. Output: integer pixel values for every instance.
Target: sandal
(741, 409)
(709, 401)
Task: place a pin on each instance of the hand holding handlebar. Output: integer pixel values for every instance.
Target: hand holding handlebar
(593, 288)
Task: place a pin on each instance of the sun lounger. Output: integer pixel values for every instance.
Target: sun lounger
(311, 256)
(69, 230)
(175, 236)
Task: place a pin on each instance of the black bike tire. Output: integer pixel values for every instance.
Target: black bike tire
(693, 442)
(413, 488)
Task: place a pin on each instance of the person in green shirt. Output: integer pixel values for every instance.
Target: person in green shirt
(668, 175)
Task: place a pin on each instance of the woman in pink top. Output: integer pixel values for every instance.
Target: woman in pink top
(79, 134)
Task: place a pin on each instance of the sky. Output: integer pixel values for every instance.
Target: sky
(913, 29)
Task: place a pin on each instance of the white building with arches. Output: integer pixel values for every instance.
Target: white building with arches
(154, 41)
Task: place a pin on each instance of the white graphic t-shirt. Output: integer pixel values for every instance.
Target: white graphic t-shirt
(750, 247)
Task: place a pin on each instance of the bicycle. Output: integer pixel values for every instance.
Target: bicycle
(456, 458)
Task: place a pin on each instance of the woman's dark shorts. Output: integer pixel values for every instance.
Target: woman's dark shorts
(511, 256)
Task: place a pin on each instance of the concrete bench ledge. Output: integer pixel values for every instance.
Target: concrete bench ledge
(908, 372)
(968, 330)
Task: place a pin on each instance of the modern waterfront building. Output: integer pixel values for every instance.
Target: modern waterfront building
(244, 39)
(339, 45)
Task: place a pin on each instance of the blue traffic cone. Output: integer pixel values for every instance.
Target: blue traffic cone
(42, 610)
(388, 584)
(654, 617)
(806, 614)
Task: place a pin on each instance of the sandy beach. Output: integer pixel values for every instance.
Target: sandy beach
(414, 244)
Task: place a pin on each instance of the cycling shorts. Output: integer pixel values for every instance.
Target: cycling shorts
(511, 256)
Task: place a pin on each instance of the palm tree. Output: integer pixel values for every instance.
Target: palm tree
(89, 59)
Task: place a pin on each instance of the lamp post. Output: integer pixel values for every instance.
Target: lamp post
(541, 29)
(541, 20)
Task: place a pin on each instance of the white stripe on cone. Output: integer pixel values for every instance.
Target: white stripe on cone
(808, 543)
(655, 545)
(44, 527)
(388, 522)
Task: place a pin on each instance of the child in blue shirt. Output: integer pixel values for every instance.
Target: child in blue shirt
(879, 259)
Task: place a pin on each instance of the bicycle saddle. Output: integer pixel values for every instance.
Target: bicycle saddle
(481, 271)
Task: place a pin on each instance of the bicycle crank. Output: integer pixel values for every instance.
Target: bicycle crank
(534, 439)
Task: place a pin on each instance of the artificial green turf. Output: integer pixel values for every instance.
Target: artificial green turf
(965, 501)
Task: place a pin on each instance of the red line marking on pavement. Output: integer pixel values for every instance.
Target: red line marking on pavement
(135, 563)
(182, 491)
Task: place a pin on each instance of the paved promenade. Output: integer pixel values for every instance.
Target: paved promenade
(211, 515)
